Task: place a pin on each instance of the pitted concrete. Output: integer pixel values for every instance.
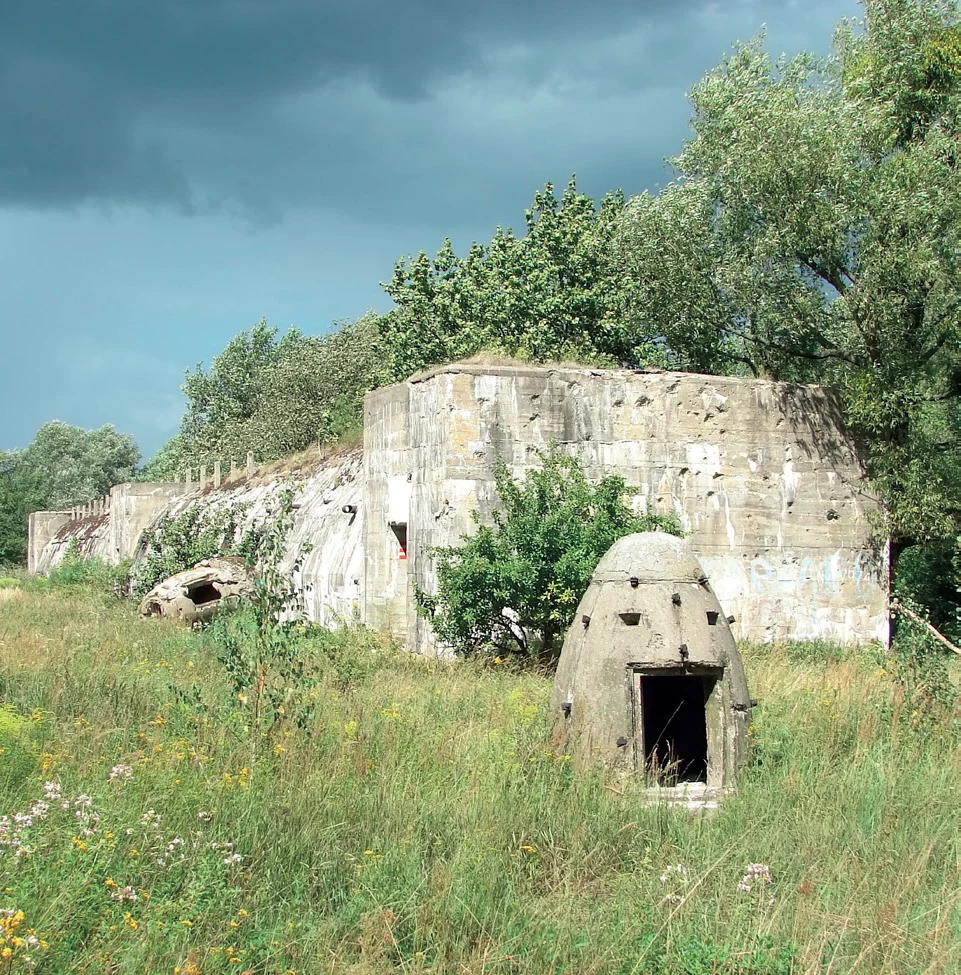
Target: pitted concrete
(649, 611)
(761, 474)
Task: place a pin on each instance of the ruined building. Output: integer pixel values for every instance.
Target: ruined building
(761, 474)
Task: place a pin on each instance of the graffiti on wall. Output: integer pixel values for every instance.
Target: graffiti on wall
(817, 577)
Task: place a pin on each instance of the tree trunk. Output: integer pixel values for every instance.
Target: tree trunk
(896, 547)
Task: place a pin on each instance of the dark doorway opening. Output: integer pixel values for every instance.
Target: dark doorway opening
(206, 592)
(675, 727)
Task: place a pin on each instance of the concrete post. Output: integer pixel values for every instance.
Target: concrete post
(250, 463)
(189, 478)
(203, 475)
(233, 467)
(216, 473)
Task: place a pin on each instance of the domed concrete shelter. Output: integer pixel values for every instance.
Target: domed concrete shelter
(649, 679)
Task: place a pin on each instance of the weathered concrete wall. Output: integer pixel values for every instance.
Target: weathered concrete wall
(91, 533)
(760, 473)
(109, 529)
(389, 463)
(332, 572)
(133, 508)
(42, 528)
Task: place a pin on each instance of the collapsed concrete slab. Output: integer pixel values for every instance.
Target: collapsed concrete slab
(196, 594)
(649, 679)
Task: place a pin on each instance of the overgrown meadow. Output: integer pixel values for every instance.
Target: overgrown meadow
(419, 821)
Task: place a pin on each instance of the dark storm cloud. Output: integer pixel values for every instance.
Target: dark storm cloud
(128, 100)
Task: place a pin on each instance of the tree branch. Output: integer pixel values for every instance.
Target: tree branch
(900, 610)
(834, 278)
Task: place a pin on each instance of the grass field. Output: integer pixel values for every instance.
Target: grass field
(423, 824)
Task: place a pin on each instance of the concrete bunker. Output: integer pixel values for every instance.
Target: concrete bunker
(649, 680)
(196, 594)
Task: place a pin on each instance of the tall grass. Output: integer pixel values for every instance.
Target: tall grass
(424, 825)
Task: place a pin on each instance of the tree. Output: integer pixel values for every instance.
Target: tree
(19, 495)
(558, 292)
(812, 234)
(63, 466)
(72, 465)
(274, 395)
(512, 587)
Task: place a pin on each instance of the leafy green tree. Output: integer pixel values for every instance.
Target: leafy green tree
(169, 461)
(20, 494)
(233, 389)
(315, 393)
(557, 292)
(64, 465)
(512, 587)
(273, 395)
(72, 465)
(812, 234)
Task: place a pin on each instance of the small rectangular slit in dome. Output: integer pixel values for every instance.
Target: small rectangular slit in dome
(630, 619)
(712, 617)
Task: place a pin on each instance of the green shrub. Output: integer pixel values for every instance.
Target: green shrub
(513, 587)
(692, 956)
(927, 575)
(199, 532)
(815, 651)
(78, 571)
(919, 665)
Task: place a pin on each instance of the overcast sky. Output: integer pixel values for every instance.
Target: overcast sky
(171, 171)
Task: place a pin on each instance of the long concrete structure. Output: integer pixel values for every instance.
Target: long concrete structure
(761, 474)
